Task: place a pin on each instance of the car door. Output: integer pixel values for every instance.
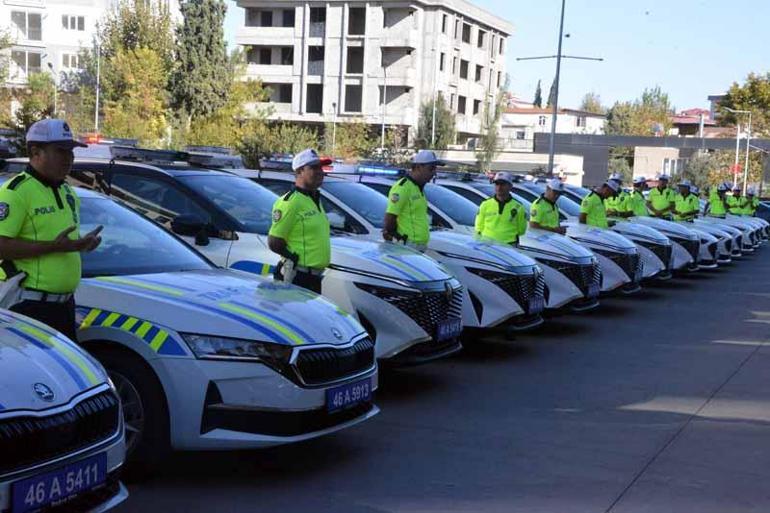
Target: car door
(163, 200)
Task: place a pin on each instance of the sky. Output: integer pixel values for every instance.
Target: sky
(690, 48)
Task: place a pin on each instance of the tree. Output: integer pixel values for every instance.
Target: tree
(754, 96)
(643, 116)
(619, 164)
(488, 146)
(5, 94)
(349, 140)
(552, 94)
(270, 138)
(538, 101)
(200, 82)
(35, 103)
(445, 125)
(592, 103)
(137, 110)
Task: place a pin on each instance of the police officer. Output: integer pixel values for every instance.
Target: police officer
(686, 203)
(717, 205)
(406, 217)
(636, 202)
(752, 202)
(736, 203)
(501, 217)
(40, 228)
(618, 205)
(300, 231)
(592, 211)
(660, 201)
(544, 214)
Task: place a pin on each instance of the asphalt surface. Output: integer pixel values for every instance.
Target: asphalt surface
(654, 403)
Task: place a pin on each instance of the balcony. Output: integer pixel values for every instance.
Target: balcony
(400, 37)
(254, 71)
(265, 36)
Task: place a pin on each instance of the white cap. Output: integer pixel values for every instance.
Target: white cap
(555, 185)
(663, 176)
(503, 176)
(308, 157)
(639, 180)
(426, 157)
(612, 184)
(616, 177)
(53, 131)
(685, 183)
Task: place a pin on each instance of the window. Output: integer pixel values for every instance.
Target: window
(26, 62)
(482, 36)
(355, 63)
(158, 197)
(352, 98)
(464, 69)
(502, 41)
(457, 29)
(315, 98)
(499, 78)
(339, 219)
(70, 61)
(479, 72)
(444, 22)
(580, 121)
(27, 25)
(441, 60)
(454, 66)
(541, 120)
(284, 93)
(520, 135)
(452, 101)
(287, 55)
(252, 17)
(73, 22)
(317, 15)
(476, 106)
(266, 18)
(288, 17)
(466, 33)
(461, 104)
(357, 21)
(265, 56)
(493, 46)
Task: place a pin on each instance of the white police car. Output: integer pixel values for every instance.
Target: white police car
(61, 429)
(210, 358)
(503, 287)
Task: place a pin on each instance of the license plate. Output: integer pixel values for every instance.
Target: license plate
(449, 328)
(58, 486)
(536, 305)
(349, 395)
(593, 290)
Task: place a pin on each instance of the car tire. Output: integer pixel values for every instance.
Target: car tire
(145, 411)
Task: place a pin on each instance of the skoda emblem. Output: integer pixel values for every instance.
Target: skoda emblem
(44, 392)
(337, 333)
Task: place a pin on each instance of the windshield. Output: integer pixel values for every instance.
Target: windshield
(363, 200)
(250, 205)
(132, 244)
(569, 206)
(461, 210)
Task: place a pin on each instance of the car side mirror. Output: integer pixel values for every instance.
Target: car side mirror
(336, 221)
(191, 225)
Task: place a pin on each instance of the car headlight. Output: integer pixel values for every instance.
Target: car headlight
(223, 348)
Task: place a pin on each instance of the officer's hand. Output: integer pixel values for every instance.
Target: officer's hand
(387, 236)
(93, 238)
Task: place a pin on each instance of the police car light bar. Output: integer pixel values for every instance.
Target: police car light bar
(218, 150)
(144, 155)
(218, 160)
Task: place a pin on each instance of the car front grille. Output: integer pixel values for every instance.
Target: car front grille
(663, 252)
(692, 247)
(27, 441)
(427, 309)
(582, 275)
(631, 264)
(729, 246)
(712, 250)
(328, 364)
(520, 287)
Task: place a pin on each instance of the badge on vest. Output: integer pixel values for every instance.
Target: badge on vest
(277, 214)
(5, 209)
(394, 198)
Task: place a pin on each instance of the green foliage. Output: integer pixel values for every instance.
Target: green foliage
(620, 164)
(754, 96)
(445, 125)
(269, 138)
(552, 94)
(137, 109)
(5, 94)
(640, 116)
(721, 163)
(538, 101)
(35, 103)
(350, 140)
(488, 145)
(201, 80)
(592, 103)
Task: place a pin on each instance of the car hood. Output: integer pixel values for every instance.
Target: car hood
(669, 228)
(41, 368)
(636, 231)
(221, 302)
(468, 246)
(600, 236)
(386, 259)
(554, 244)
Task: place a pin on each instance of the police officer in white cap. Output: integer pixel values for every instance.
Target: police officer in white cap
(40, 241)
(544, 214)
(686, 204)
(661, 199)
(300, 232)
(501, 217)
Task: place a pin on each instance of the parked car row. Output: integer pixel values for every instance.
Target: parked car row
(191, 344)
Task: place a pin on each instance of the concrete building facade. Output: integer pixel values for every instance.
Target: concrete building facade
(374, 62)
(519, 125)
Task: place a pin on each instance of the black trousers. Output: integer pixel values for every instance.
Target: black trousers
(59, 316)
(311, 282)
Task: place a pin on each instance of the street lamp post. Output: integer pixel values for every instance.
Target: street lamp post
(98, 91)
(55, 89)
(334, 128)
(555, 104)
(384, 105)
(748, 145)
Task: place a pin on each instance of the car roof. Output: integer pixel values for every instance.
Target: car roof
(173, 170)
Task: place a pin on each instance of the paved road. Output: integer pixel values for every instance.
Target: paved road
(655, 403)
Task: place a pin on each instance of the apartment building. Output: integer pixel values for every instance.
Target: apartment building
(375, 61)
(49, 34)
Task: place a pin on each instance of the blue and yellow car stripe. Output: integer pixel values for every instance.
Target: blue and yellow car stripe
(250, 266)
(159, 340)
